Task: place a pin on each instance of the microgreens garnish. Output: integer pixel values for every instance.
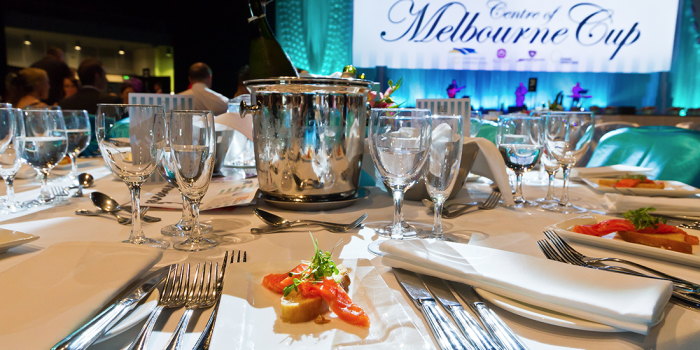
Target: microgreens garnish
(320, 268)
(635, 177)
(642, 219)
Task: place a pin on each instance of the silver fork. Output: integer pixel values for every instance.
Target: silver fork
(205, 338)
(172, 296)
(489, 204)
(58, 191)
(198, 297)
(337, 228)
(569, 252)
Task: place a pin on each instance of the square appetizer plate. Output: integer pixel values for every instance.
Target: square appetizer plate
(10, 239)
(671, 189)
(611, 242)
(249, 315)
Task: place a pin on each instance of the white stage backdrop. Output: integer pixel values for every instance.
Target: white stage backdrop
(625, 36)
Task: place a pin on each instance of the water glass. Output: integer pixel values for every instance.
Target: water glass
(399, 140)
(12, 139)
(519, 140)
(442, 168)
(192, 146)
(131, 140)
(46, 144)
(567, 136)
(475, 126)
(79, 133)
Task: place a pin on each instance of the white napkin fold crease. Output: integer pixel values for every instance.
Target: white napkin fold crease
(625, 302)
(618, 203)
(489, 163)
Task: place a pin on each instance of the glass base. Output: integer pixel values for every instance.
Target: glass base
(374, 247)
(11, 208)
(175, 230)
(42, 201)
(195, 245)
(149, 242)
(547, 201)
(565, 209)
(409, 231)
(525, 204)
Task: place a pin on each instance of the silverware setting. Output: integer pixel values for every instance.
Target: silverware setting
(279, 223)
(685, 293)
(84, 180)
(454, 210)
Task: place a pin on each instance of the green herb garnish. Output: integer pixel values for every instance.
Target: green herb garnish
(321, 267)
(635, 177)
(642, 219)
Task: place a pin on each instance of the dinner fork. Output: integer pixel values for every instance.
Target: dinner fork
(339, 228)
(58, 191)
(205, 338)
(172, 296)
(489, 204)
(198, 297)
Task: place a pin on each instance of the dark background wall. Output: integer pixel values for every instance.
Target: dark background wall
(214, 32)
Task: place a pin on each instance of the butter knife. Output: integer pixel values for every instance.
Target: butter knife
(446, 334)
(494, 325)
(95, 328)
(469, 326)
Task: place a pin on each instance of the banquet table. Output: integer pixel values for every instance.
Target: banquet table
(513, 230)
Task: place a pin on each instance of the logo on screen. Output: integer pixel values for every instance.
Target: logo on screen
(532, 53)
(463, 50)
(501, 53)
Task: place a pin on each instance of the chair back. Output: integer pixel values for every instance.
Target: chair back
(488, 130)
(600, 130)
(670, 151)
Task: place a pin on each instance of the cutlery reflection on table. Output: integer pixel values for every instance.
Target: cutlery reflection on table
(454, 210)
(280, 224)
(120, 219)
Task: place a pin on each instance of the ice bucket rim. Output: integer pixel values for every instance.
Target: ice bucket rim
(311, 81)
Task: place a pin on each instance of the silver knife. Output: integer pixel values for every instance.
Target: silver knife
(95, 328)
(469, 326)
(494, 325)
(446, 334)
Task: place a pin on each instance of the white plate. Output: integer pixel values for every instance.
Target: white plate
(547, 316)
(249, 315)
(609, 242)
(606, 171)
(10, 239)
(672, 189)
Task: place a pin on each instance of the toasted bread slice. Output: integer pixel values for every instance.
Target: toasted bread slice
(607, 182)
(657, 185)
(675, 242)
(296, 308)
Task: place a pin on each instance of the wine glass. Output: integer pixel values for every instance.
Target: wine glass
(131, 140)
(12, 141)
(398, 140)
(551, 166)
(567, 136)
(46, 144)
(475, 125)
(184, 226)
(192, 147)
(79, 132)
(519, 140)
(442, 168)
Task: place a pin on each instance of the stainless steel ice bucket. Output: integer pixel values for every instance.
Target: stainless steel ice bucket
(308, 135)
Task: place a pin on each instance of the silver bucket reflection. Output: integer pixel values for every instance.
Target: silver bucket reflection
(308, 135)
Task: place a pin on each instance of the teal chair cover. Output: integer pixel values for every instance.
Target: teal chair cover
(488, 130)
(673, 153)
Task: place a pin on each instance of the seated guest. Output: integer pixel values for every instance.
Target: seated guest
(55, 66)
(70, 87)
(204, 97)
(124, 91)
(28, 88)
(94, 80)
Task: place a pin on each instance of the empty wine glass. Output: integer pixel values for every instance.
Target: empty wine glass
(79, 132)
(567, 136)
(475, 125)
(399, 140)
(46, 144)
(11, 146)
(519, 140)
(551, 166)
(442, 168)
(184, 226)
(131, 140)
(192, 147)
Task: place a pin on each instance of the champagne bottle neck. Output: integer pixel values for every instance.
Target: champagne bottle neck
(258, 21)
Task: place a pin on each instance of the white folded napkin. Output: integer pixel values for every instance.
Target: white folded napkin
(618, 203)
(47, 297)
(489, 163)
(607, 171)
(625, 302)
(235, 122)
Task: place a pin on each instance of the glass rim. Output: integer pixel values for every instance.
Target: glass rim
(567, 113)
(75, 110)
(11, 108)
(451, 116)
(125, 105)
(518, 116)
(191, 111)
(372, 109)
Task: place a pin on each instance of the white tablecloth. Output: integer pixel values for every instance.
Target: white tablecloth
(500, 228)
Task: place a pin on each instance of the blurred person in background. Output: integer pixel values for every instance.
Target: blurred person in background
(55, 66)
(157, 89)
(204, 97)
(28, 88)
(94, 80)
(70, 87)
(124, 91)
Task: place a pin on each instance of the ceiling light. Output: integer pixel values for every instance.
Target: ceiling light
(121, 50)
(77, 45)
(26, 40)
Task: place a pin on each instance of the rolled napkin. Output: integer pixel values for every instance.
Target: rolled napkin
(47, 297)
(618, 203)
(624, 302)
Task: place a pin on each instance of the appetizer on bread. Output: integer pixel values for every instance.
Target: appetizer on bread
(636, 181)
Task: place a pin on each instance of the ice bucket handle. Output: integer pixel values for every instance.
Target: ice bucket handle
(252, 109)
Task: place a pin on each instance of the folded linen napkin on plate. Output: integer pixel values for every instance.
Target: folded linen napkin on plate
(618, 203)
(50, 295)
(606, 171)
(625, 302)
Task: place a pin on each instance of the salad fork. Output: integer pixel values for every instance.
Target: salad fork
(198, 297)
(488, 204)
(172, 296)
(337, 228)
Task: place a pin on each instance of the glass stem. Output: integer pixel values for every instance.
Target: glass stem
(550, 189)
(397, 229)
(136, 232)
(518, 196)
(186, 219)
(196, 234)
(10, 192)
(564, 201)
(437, 221)
(44, 185)
(73, 163)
